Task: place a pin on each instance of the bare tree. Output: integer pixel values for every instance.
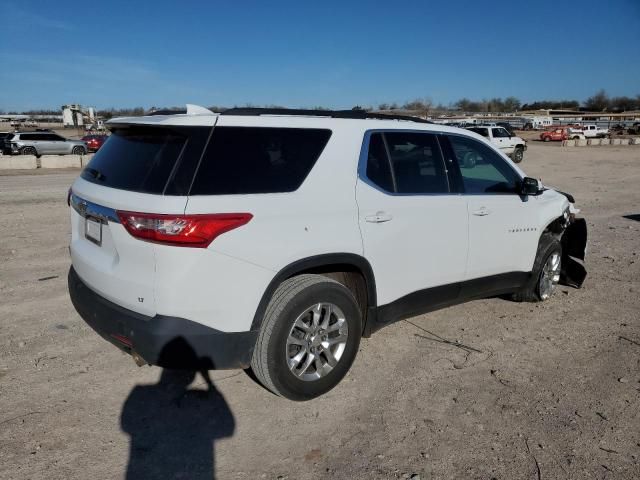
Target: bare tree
(599, 102)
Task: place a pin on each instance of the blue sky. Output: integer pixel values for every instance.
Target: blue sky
(303, 54)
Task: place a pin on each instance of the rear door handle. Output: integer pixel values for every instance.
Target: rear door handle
(481, 212)
(379, 217)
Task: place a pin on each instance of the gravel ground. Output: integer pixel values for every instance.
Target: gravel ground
(538, 391)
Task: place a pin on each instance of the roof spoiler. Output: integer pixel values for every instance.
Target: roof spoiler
(190, 110)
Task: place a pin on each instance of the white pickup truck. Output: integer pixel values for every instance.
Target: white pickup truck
(510, 145)
(593, 131)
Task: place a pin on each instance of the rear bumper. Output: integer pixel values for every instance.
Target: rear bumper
(168, 342)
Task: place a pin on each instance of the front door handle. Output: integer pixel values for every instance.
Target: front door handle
(379, 217)
(481, 212)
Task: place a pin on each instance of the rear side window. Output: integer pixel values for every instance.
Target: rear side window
(146, 160)
(52, 137)
(414, 164)
(481, 131)
(241, 160)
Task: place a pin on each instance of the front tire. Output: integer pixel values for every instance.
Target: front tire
(78, 151)
(546, 272)
(309, 337)
(518, 155)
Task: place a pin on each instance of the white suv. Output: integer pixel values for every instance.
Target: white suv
(276, 239)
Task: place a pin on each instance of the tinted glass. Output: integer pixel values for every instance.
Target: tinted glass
(481, 131)
(500, 133)
(482, 169)
(257, 160)
(378, 168)
(142, 159)
(417, 163)
(29, 136)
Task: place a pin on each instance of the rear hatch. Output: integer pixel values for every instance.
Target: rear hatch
(138, 169)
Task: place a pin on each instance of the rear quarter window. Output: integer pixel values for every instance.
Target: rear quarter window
(146, 160)
(243, 160)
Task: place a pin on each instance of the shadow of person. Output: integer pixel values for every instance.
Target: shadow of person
(173, 428)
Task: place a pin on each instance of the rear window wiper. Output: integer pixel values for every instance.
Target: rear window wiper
(95, 173)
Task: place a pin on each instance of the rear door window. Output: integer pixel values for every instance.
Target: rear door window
(417, 163)
(407, 163)
(52, 137)
(242, 160)
(146, 160)
(378, 166)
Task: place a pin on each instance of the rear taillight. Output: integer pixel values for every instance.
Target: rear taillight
(181, 230)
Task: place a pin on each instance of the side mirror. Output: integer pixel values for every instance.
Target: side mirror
(529, 186)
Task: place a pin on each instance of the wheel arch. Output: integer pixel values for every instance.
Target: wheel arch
(35, 149)
(328, 265)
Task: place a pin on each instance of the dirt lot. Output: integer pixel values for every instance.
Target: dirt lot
(540, 391)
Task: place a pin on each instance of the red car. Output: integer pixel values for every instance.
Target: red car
(94, 142)
(556, 134)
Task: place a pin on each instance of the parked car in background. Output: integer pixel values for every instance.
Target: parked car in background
(593, 131)
(508, 127)
(43, 143)
(555, 135)
(634, 129)
(508, 144)
(575, 133)
(4, 150)
(94, 142)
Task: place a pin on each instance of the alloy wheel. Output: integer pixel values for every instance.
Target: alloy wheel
(550, 276)
(316, 341)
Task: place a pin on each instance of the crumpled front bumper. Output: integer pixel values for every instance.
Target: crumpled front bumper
(574, 250)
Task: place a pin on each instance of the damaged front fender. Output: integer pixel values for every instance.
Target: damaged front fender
(574, 249)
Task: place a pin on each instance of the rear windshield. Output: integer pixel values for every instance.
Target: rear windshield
(143, 159)
(229, 160)
(258, 160)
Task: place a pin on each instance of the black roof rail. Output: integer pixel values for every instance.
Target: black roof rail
(351, 114)
(168, 112)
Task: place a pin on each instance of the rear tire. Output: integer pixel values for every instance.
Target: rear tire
(309, 337)
(546, 272)
(29, 151)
